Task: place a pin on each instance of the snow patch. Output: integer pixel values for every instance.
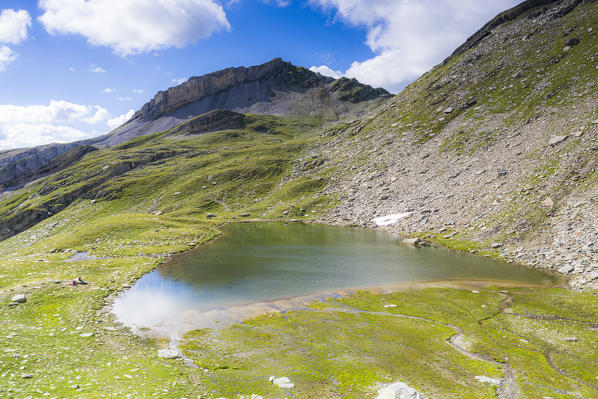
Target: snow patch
(389, 220)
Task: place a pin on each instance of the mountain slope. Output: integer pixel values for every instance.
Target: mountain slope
(274, 88)
(497, 145)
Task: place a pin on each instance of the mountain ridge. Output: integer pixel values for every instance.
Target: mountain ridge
(274, 88)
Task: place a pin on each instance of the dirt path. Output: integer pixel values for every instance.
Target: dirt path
(507, 388)
(505, 307)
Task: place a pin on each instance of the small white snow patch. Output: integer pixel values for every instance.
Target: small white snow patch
(392, 305)
(489, 380)
(398, 390)
(389, 220)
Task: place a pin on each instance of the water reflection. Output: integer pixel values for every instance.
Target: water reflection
(255, 263)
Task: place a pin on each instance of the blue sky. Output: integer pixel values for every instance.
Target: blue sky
(80, 68)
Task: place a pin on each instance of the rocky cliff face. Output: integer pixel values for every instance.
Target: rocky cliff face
(22, 165)
(274, 88)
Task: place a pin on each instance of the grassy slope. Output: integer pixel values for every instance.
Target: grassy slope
(150, 197)
(329, 352)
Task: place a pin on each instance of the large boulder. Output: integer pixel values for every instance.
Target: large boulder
(19, 298)
(398, 390)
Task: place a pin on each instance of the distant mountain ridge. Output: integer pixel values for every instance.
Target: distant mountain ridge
(274, 88)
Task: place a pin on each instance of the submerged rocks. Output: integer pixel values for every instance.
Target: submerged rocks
(398, 390)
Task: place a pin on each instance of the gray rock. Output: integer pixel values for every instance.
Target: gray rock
(488, 380)
(26, 376)
(398, 390)
(547, 203)
(571, 339)
(168, 354)
(557, 139)
(210, 215)
(416, 242)
(495, 245)
(502, 173)
(565, 269)
(282, 382)
(19, 298)
(245, 215)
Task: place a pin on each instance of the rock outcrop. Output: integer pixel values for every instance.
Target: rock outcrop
(274, 88)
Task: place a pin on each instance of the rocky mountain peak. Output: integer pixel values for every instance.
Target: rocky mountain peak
(257, 81)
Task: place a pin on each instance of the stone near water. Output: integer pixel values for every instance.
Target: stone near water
(565, 269)
(488, 380)
(495, 245)
(210, 215)
(398, 390)
(416, 242)
(19, 298)
(282, 382)
(168, 354)
(557, 139)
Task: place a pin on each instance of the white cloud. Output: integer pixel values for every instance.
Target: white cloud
(178, 81)
(7, 56)
(135, 26)
(124, 98)
(119, 120)
(13, 30)
(326, 71)
(96, 69)
(59, 121)
(138, 91)
(409, 37)
(13, 26)
(108, 90)
(72, 69)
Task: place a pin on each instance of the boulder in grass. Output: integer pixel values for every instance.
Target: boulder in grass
(282, 382)
(19, 298)
(398, 390)
(168, 354)
(415, 242)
